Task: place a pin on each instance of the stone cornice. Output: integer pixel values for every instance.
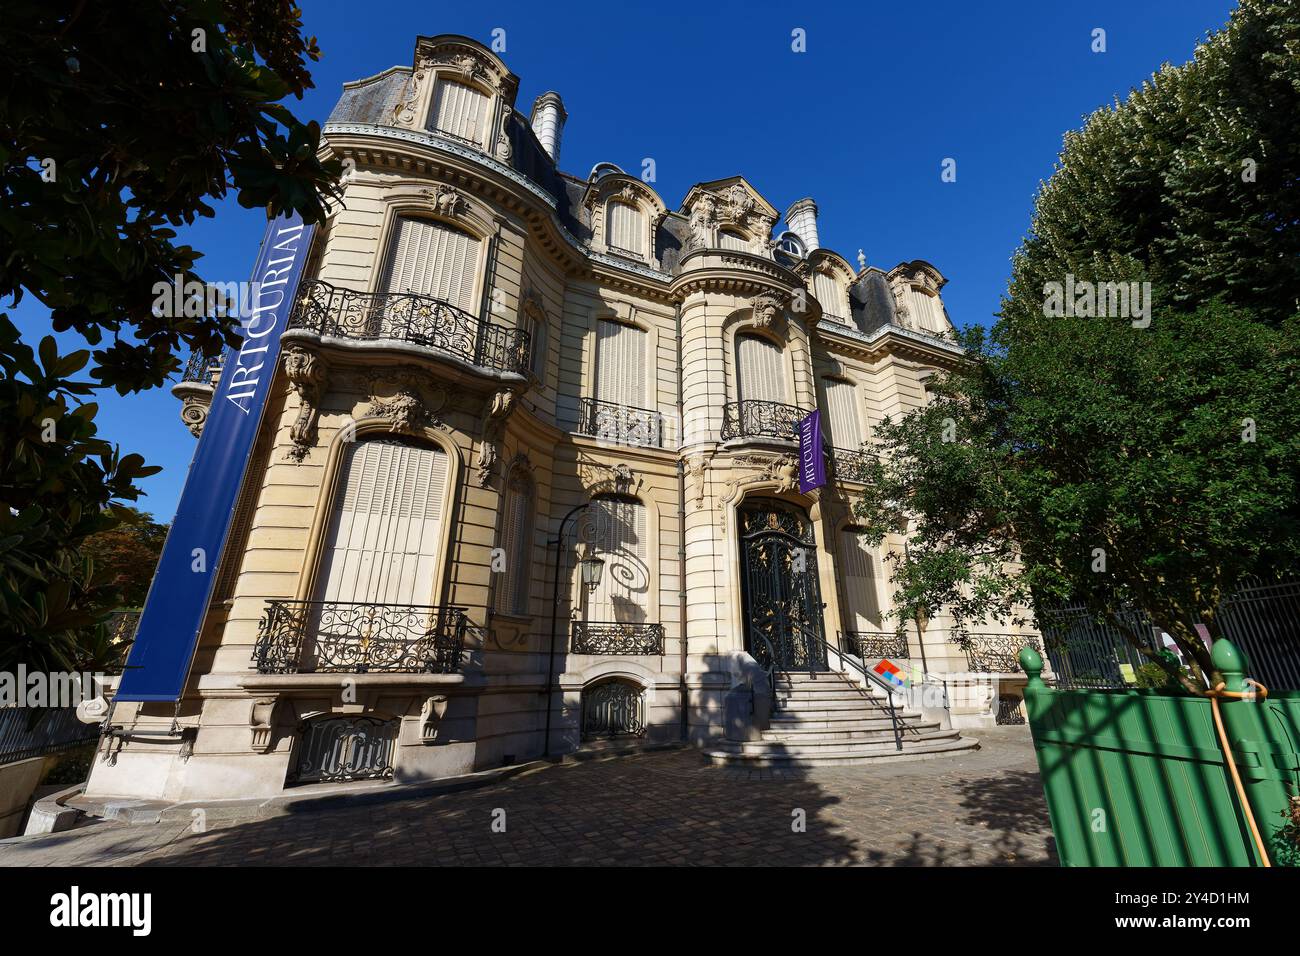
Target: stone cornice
(843, 338)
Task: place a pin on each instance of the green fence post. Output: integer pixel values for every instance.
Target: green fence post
(1265, 760)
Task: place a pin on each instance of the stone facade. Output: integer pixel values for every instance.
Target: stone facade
(512, 391)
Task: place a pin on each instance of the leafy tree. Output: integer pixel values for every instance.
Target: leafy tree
(1098, 460)
(128, 554)
(118, 123)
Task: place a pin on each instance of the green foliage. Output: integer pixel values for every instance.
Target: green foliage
(128, 554)
(59, 482)
(1158, 181)
(1170, 453)
(119, 122)
(143, 130)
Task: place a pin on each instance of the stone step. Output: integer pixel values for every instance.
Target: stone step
(821, 692)
(843, 757)
(796, 734)
(816, 747)
(796, 704)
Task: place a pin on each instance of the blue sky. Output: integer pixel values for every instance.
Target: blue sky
(861, 121)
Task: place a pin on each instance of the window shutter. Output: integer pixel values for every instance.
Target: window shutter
(516, 541)
(761, 369)
(926, 311)
(730, 239)
(459, 111)
(619, 537)
(625, 227)
(861, 607)
(833, 301)
(429, 258)
(842, 410)
(620, 364)
(385, 533)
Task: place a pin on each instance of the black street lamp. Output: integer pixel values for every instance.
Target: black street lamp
(592, 569)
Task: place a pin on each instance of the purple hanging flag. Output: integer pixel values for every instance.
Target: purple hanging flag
(812, 461)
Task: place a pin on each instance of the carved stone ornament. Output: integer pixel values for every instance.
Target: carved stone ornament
(446, 200)
(404, 113)
(504, 151)
(494, 425)
(399, 400)
(696, 466)
(261, 720)
(702, 220)
(193, 414)
(431, 714)
(306, 373)
(784, 469)
(766, 307)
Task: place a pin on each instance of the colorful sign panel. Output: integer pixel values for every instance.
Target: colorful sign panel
(812, 459)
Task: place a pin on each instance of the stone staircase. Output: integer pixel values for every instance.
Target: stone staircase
(825, 720)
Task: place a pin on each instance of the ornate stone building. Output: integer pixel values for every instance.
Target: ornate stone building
(495, 366)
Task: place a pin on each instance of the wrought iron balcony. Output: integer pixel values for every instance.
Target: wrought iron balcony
(203, 369)
(338, 637)
(609, 637)
(753, 418)
(873, 644)
(995, 653)
(408, 317)
(625, 424)
(848, 464)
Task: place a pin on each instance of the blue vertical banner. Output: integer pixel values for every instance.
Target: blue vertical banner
(812, 459)
(178, 598)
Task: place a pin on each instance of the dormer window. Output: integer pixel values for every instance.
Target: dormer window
(731, 239)
(927, 310)
(791, 245)
(625, 230)
(460, 112)
(830, 294)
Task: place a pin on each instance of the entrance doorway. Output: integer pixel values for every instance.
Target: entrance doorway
(781, 599)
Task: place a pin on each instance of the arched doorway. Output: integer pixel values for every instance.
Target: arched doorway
(781, 599)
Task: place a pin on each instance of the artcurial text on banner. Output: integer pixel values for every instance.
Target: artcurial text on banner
(812, 460)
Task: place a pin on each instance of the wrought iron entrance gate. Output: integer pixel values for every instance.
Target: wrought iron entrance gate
(781, 598)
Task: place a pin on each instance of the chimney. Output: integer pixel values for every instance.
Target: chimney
(548, 123)
(801, 217)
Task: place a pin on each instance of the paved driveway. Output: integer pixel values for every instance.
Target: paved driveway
(984, 807)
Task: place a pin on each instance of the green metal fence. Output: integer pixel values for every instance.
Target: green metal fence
(1138, 778)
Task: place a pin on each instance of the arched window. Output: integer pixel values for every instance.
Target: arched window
(760, 366)
(834, 302)
(842, 414)
(385, 534)
(625, 228)
(431, 258)
(857, 568)
(516, 544)
(730, 239)
(459, 111)
(617, 533)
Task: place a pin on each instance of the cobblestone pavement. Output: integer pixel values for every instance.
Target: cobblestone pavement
(662, 808)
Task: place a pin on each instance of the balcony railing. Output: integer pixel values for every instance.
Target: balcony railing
(609, 637)
(337, 637)
(408, 317)
(625, 424)
(848, 464)
(870, 645)
(203, 368)
(753, 418)
(995, 653)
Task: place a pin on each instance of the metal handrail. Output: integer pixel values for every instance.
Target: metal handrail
(622, 423)
(812, 636)
(770, 669)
